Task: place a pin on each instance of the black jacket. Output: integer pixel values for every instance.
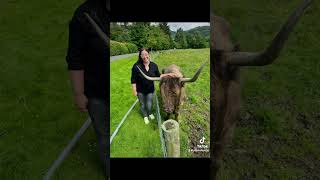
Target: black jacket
(86, 51)
(143, 85)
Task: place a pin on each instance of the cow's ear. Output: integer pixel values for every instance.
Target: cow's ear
(182, 84)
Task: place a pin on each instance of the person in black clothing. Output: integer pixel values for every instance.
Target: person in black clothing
(142, 87)
(87, 60)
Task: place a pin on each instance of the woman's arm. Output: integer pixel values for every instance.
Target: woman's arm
(75, 62)
(134, 89)
(80, 100)
(168, 74)
(133, 80)
(162, 75)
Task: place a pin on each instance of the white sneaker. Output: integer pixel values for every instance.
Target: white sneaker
(146, 120)
(151, 116)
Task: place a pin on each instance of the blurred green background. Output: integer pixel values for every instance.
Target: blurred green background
(277, 136)
(38, 117)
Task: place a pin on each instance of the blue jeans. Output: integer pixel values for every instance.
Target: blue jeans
(97, 109)
(145, 103)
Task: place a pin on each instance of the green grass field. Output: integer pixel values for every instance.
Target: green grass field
(277, 136)
(37, 114)
(135, 139)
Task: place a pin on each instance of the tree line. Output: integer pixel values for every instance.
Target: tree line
(128, 37)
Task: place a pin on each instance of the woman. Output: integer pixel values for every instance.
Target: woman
(142, 87)
(88, 67)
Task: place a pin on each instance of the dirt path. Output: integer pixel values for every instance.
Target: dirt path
(114, 58)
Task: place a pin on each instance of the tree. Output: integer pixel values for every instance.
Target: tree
(190, 40)
(119, 32)
(144, 34)
(196, 40)
(157, 39)
(200, 41)
(172, 43)
(139, 34)
(181, 39)
(165, 28)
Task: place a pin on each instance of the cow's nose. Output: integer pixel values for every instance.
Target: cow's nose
(168, 110)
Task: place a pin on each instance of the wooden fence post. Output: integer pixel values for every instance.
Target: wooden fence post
(172, 137)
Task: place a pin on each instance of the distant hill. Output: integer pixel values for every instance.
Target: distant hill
(204, 30)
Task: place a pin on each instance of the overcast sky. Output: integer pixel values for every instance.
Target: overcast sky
(186, 26)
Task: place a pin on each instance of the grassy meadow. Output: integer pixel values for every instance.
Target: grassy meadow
(135, 139)
(38, 118)
(277, 136)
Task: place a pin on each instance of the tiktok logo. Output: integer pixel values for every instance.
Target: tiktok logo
(202, 140)
(202, 147)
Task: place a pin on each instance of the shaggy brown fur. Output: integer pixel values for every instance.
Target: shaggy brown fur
(172, 93)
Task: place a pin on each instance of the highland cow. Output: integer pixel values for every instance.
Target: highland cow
(225, 78)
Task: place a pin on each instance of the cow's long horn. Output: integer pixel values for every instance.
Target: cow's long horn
(196, 75)
(272, 52)
(148, 77)
(102, 35)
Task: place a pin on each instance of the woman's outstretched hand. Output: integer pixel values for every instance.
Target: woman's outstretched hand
(134, 93)
(168, 74)
(81, 102)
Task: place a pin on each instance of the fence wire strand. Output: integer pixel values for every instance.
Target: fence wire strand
(163, 145)
(122, 121)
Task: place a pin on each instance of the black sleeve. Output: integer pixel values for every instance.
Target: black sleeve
(76, 44)
(134, 74)
(157, 71)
